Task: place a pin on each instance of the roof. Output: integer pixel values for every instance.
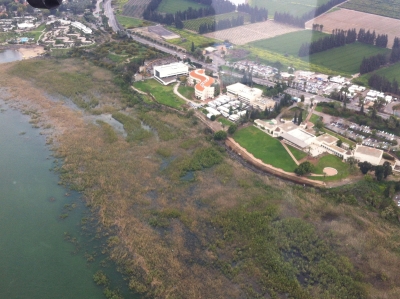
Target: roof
(294, 140)
(338, 149)
(301, 134)
(288, 126)
(205, 81)
(328, 139)
(369, 151)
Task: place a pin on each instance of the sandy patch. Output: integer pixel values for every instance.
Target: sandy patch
(329, 171)
(31, 52)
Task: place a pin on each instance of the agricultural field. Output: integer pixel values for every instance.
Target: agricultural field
(386, 8)
(133, 8)
(289, 43)
(349, 19)
(345, 60)
(249, 33)
(294, 8)
(187, 37)
(163, 94)
(264, 147)
(172, 6)
(129, 22)
(390, 72)
(195, 24)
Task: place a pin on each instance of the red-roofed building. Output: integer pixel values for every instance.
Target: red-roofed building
(202, 84)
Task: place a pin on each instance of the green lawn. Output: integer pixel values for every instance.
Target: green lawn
(390, 72)
(224, 121)
(298, 154)
(334, 162)
(117, 58)
(195, 24)
(128, 22)
(296, 8)
(345, 59)
(186, 91)
(172, 6)
(265, 147)
(288, 43)
(163, 94)
(314, 118)
(189, 37)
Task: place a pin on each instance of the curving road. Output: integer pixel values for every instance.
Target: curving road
(108, 11)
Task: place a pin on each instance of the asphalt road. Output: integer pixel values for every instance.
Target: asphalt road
(109, 12)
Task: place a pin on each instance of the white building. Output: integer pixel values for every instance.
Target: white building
(82, 27)
(203, 84)
(166, 74)
(369, 154)
(244, 93)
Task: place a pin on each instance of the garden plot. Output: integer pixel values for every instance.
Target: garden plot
(248, 33)
(348, 19)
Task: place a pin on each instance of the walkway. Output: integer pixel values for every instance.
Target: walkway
(193, 104)
(290, 153)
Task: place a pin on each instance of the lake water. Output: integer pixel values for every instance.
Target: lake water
(9, 56)
(35, 260)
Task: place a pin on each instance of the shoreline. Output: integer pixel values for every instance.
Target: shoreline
(26, 51)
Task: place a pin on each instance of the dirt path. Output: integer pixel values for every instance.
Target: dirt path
(290, 153)
(193, 104)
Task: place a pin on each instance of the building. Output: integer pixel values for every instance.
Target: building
(369, 154)
(244, 93)
(166, 74)
(81, 27)
(202, 84)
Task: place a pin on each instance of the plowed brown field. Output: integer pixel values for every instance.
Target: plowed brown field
(348, 19)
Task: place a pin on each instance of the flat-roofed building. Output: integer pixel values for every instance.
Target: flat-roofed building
(369, 154)
(166, 74)
(244, 93)
(203, 88)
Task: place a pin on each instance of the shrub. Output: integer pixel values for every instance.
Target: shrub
(388, 157)
(304, 168)
(232, 129)
(220, 135)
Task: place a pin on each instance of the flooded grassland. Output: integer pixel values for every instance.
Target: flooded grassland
(180, 218)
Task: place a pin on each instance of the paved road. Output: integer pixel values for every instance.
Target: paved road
(109, 12)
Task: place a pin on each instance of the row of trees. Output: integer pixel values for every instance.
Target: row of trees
(256, 14)
(395, 53)
(221, 24)
(338, 38)
(370, 38)
(372, 63)
(383, 84)
(218, 7)
(287, 18)
(381, 171)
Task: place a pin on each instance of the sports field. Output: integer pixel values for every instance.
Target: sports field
(388, 8)
(288, 43)
(163, 94)
(195, 24)
(265, 147)
(390, 72)
(347, 59)
(297, 8)
(172, 6)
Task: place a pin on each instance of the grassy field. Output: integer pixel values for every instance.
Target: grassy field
(172, 6)
(314, 118)
(186, 91)
(390, 72)
(334, 162)
(195, 24)
(265, 147)
(389, 8)
(295, 8)
(188, 38)
(224, 121)
(298, 154)
(128, 22)
(289, 43)
(345, 59)
(163, 94)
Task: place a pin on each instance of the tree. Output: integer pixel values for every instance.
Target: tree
(365, 167)
(232, 129)
(339, 143)
(212, 117)
(387, 169)
(319, 124)
(192, 48)
(302, 98)
(220, 135)
(304, 168)
(295, 118)
(379, 173)
(352, 162)
(300, 119)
